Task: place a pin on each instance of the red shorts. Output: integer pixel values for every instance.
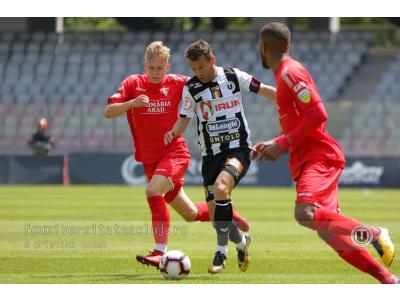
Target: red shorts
(318, 184)
(172, 165)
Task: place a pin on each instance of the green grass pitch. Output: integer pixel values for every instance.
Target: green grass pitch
(91, 234)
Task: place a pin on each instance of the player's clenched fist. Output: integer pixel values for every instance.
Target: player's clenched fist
(268, 150)
(256, 151)
(140, 101)
(168, 137)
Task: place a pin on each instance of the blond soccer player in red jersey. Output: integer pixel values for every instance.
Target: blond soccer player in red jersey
(316, 160)
(151, 103)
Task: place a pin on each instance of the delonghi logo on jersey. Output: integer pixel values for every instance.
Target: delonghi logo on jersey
(223, 125)
(224, 138)
(359, 173)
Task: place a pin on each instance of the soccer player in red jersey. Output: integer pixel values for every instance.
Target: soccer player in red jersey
(151, 102)
(316, 160)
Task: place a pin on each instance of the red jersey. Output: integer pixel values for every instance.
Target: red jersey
(302, 117)
(149, 124)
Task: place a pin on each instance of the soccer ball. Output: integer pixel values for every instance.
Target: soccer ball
(175, 265)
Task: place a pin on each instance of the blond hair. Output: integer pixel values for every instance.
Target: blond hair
(155, 49)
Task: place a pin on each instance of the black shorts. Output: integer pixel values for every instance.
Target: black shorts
(213, 165)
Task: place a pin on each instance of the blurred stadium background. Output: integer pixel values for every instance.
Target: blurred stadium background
(64, 69)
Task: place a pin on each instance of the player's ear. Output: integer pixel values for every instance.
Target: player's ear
(144, 65)
(167, 66)
(213, 59)
(263, 47)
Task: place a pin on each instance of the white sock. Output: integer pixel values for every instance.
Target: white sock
(242, 243)
(161, 247)
(222, 249)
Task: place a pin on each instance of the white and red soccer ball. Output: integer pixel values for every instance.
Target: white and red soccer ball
(175, 265)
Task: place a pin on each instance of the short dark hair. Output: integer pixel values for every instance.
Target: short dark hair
(197, 49)
(276, 35)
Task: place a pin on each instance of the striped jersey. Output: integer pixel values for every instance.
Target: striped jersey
(218, 107)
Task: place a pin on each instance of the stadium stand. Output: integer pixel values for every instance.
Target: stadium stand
(68, 79)
(387, 88)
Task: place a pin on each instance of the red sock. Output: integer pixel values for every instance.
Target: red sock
(160, 219)
(203, 216)
(202, 212)
(358, 257)
(335, 223)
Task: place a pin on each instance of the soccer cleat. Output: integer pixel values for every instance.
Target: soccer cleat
(391, 280)
(152, 259)
(241, 222)
(384, 246)
(218, 264)
(243, 256)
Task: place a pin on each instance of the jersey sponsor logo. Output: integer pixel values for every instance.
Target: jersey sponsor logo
(227, 105)
(140, 89)
(304, 95)
(157, 107)
(206, 109)
(187, 105)
(224, 138)
(164, 91)
(223, 126)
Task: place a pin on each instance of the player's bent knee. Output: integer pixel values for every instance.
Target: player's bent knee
(153, 190)
(221, 190)
(304, 215)
(190, 216)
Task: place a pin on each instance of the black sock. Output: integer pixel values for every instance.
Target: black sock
(223, 220)
(235, 235)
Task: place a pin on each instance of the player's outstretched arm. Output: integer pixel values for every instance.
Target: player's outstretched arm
(116, 109)
(267, 91)
(179, 128)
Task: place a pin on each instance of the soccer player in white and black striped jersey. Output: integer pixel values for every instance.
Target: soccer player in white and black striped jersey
(214, 96)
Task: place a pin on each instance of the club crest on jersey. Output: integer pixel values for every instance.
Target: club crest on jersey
(164, 91)
(304, 95)
(231, 85)
(216, 92)
(206, 109)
